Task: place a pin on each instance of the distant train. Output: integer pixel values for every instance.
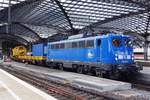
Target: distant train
(106, 56)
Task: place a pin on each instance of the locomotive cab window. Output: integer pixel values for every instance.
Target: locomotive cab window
(52, 46)
(116, 42)
(81, 44)
(62, 45)
(90, 43)
(68, 45)
(74, 45)
(99, 42)
(57, 46)
(128, 43)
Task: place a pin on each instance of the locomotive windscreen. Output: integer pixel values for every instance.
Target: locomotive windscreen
(128, 43)
(116, 42)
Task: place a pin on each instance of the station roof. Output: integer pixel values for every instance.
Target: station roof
(43, 18)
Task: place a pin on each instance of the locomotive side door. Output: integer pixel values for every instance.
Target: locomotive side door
(98, 49)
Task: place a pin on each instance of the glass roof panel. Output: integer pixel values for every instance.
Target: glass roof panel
(5, 3)
(43, 32)
(135, 23)
(77, 13)
(92, 11)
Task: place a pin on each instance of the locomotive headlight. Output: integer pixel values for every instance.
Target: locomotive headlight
(132, 58)
(116, 58)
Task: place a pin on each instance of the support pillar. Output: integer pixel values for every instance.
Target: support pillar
(146, 51)
(146, 36)
(9, 18)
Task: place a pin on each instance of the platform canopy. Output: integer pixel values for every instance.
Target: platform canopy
(37, 19)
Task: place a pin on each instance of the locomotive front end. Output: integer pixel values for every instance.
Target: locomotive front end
(122, 55)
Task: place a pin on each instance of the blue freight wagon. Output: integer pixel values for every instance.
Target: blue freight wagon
(39, 49)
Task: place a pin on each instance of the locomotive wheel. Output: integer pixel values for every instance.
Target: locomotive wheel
(60, 66)
(99, 73)
(79, 70)
(74, 68)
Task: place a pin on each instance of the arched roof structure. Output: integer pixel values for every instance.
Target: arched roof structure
(37, 19)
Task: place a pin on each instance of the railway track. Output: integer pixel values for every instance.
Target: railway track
(140, 82)
(58, 90)
(141, 86)
(68, 92)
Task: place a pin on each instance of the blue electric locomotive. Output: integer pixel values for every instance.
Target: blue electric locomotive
(106, 55)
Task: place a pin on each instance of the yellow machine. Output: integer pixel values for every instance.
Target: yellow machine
(20, 53)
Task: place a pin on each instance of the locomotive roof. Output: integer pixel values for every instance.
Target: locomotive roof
(88, 38)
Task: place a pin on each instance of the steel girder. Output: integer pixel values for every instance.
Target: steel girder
(65, 14)
(34, 11)
(43, 32)
(21, 30)
(14, 38)
(36, 35)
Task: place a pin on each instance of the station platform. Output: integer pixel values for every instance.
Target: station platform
(12, 88)
(143, 63)
(146, 70)
(74, 79)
